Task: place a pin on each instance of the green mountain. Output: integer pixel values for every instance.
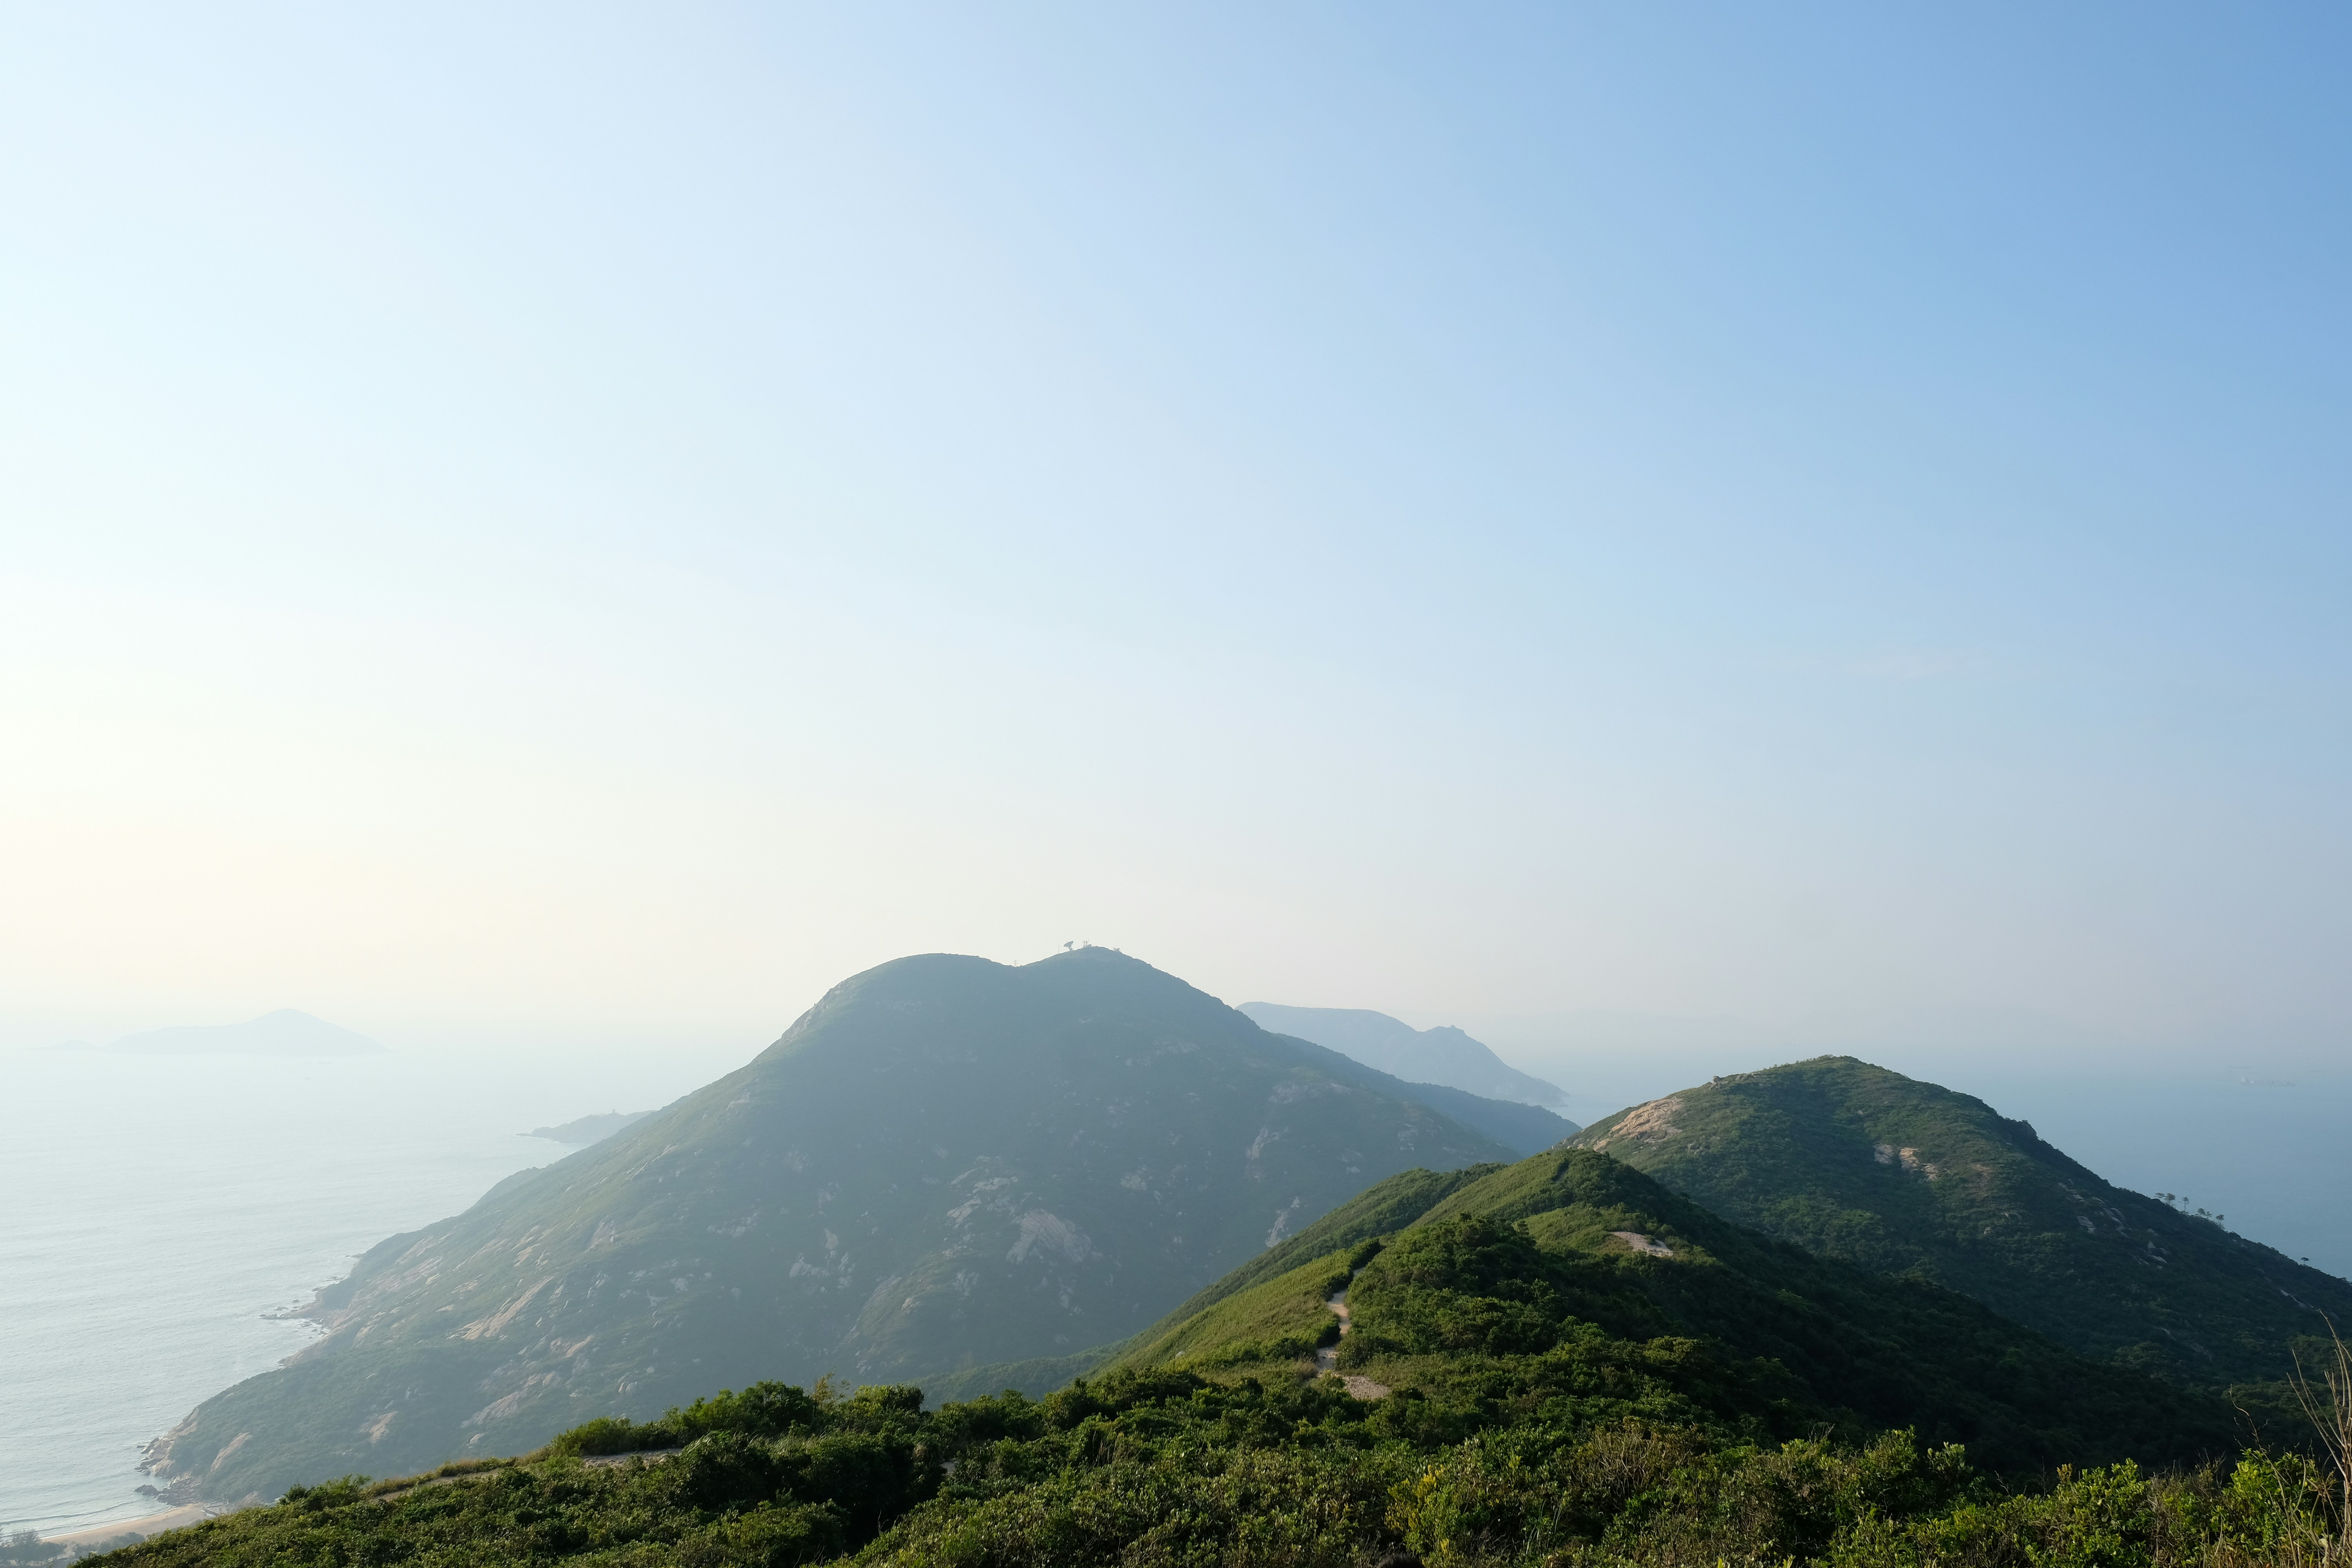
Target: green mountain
(946, 1163)
(1554, 1363)
(1853, 1161)
(1572, 1252)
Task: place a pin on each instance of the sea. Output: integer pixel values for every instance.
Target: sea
(155, 1212)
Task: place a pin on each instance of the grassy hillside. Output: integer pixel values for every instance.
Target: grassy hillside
(1853, 1161)
(1540, 1399)
(946, 1163)
(1382, 1208)
(1559, 1254)
(1284, 1317)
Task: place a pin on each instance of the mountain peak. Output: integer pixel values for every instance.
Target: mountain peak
(946, 1163)
(1857, 1161)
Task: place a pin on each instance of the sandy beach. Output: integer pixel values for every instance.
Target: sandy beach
(153, 1524)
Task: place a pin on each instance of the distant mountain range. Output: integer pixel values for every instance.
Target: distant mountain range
(945, 1163)
(284, 1033)
(1443, 1055)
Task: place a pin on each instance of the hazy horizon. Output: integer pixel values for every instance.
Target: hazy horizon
(560, 531)
(1932, 1039)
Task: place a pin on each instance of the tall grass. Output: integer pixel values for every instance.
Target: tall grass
(2328, 1406)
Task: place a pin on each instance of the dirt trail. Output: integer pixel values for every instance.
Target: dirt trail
(1326, 1360)
(400, 1492)
(593, 1461)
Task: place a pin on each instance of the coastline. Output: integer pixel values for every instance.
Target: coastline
(151, 1524)
(158, 1214)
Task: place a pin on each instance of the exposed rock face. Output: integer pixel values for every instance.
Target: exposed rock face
(946, 1163)
(1650, 1124)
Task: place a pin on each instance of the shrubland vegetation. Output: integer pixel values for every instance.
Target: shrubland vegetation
(1528, 1270)
(1167, 1468)
(1558, 1396)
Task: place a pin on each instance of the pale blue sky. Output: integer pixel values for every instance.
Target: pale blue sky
(585, 519)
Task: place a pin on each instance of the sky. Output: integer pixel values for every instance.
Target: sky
(586, 525)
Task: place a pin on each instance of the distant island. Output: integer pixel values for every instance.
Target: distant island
(284, 1033)
(590, 1129)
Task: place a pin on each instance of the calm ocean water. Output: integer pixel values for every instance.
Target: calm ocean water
(153, 1209)
(2273, 1155)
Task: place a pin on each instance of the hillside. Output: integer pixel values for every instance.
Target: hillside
(1443, 1055)
(1896, 1176)
(945, 1163)
(1571, 1250)
(1563, 1364)
(1521, 1128)
(1384, 1207)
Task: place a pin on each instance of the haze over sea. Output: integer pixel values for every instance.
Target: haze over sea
(159, 1207)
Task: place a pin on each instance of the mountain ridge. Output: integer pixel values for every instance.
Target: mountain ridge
(1866, 1351)
(1523, 1128)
